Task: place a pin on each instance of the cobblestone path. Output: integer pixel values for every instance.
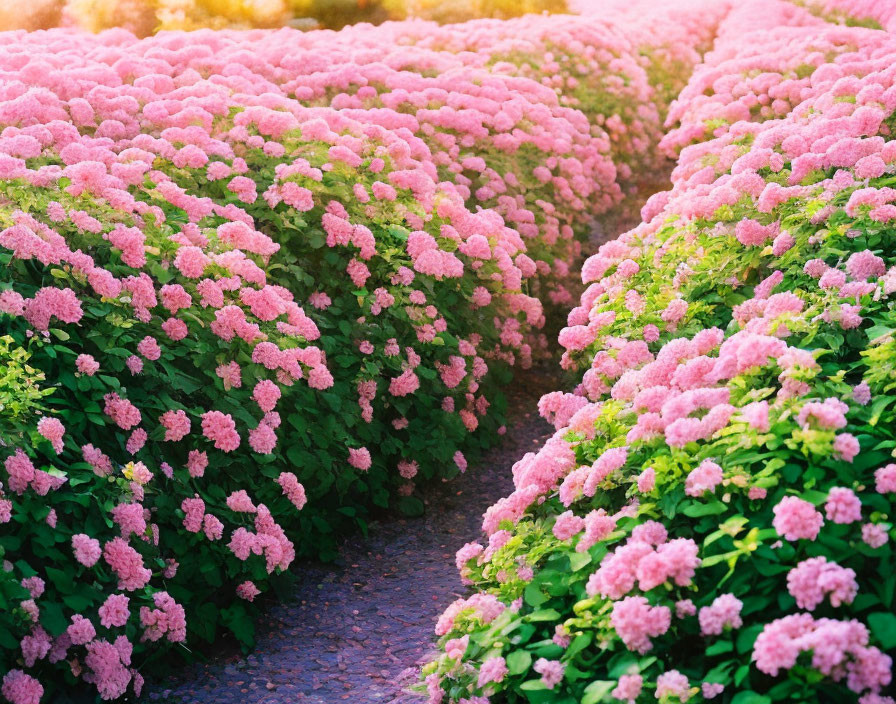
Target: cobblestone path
(356, 632)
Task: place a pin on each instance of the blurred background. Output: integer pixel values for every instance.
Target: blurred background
(145, 17)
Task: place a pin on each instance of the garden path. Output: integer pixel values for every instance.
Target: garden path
(356, 632)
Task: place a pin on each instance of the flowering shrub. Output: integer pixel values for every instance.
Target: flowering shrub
(255, 283)
(712, 518)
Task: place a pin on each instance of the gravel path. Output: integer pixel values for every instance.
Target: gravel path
(356, 632)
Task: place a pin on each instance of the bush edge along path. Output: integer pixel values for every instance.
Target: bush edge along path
(191, 227)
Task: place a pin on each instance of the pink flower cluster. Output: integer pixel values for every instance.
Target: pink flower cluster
(730, 438)
(646, 560)
(839, 649)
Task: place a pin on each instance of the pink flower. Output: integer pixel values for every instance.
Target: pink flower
(865, 265)
(130, 518)
(843, 506)
(796, 519)
(136, 441)
(247, 590)
(628, 689)
(175, 329)
(101, 464)
(861, 394)
(320, 300)
(86, 364)
(121, 411)
(176, 424)
(673, 684)
(832, 643)
(723, 613)
(230, 375)
(191, 262)
(175, 298)
(846, 447)
(494, 669)
(194, 512)
(86, 549)
(359, 458)
(408, 469)
(106, 663)
(167, 619)
(406, 383)
(636, 622)
(885, 479)
(292, 489)
(220, 429)
(197, 461)
(456, 647)
(813, 579)
(647, 480)
(675, 310)
(358, 272)
(53, 430)
(81, 630)
(149, 348)
(706, 477)
(829, 415)
(114, 612)
(874, 535)
(266, 394)
(751, 233)
(35, 646)
(567, 525)
(21, 471)
(262, 439)
(712, 689)
(240, 502)
(127, 564)
(685, 608)
(19, 688)
(49, 302)
(551, 671)
(561, 636)
(212, 527)
(35, 586)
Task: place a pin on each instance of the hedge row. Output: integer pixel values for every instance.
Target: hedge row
(713, 518)
(254, 284)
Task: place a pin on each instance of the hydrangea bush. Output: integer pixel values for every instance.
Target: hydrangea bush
(254, 284)
(713, 518)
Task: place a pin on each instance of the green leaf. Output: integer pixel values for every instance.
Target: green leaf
(577, 560)
(410, 506)
(747, 637)
(77, 602)
(544, 615)
(52, 618)
(533, 595)
(598, 691)
(518, 661)
(237, 620)
(883, 627)
(750, 698)
(579, 643)
(712, 508)
(722, 646)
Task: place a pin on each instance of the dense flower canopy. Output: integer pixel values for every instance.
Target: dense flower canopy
(712, 517)
(255, 283)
